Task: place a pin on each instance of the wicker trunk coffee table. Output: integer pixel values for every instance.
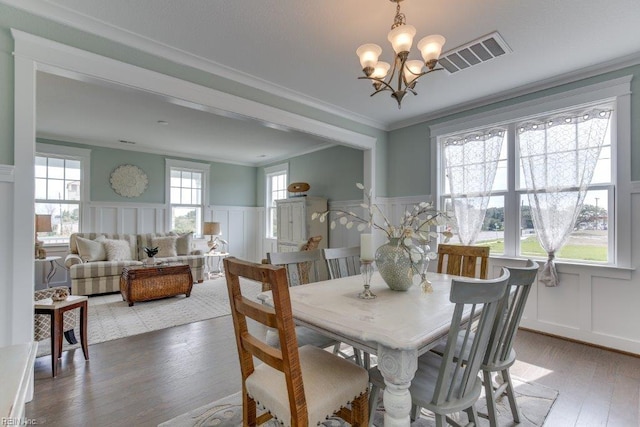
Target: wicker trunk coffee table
(145, 283)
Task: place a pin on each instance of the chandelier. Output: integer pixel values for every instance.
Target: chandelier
(404, 74)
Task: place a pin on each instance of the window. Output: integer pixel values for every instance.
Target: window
(61, 186)
(186, 194)
(276, 188)
(541, 171)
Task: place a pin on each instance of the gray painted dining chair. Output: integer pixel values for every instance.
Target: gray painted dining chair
(345, 262)
(302, 267)
(502, 355)
(342, 262)
(449, 383)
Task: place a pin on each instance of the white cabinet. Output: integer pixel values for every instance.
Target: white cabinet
(295, 225)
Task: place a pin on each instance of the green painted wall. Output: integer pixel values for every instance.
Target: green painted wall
(409, 157)
(331, 173)
(229, 185)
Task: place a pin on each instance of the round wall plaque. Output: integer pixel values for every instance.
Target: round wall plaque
(129, 181)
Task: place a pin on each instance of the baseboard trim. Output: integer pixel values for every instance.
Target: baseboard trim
(601, 347)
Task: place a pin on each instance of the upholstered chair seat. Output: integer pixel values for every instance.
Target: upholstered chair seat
(325, 388)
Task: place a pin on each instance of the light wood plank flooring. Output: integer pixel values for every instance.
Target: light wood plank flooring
(147, 379)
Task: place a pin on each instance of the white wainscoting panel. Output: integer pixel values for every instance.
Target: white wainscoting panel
(239, 226)
(126, 218)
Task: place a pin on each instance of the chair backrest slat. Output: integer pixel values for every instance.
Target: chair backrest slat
(461, 361)
(342, 262)
(302, 267)
(510, 312)
(463, 260)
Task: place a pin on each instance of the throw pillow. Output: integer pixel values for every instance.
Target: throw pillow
(91, 250)
(166, 246)
(117, 250)
(183, 243)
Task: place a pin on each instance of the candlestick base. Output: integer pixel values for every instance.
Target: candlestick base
(366, 268)
(426, 285)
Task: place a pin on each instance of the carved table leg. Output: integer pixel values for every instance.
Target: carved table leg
(398, 368)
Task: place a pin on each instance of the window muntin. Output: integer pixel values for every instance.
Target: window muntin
(186, 195)
(587, 243)
(58, 192)
(276, 189)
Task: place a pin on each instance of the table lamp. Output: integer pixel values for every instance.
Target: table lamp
(43, 225)
(212, 229)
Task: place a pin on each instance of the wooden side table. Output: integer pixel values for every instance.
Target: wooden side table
(56, 309)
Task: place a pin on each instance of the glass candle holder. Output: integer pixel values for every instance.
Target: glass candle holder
(366, 269)
(425, 283)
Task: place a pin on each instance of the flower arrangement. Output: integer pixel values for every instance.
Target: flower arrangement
(410, 237)
(416, 224)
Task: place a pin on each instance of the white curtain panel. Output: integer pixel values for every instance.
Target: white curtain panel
(471, 161)
(559, 155)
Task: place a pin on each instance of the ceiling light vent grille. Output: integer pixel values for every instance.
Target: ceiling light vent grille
(473, 53)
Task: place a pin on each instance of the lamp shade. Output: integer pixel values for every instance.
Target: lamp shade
(412, 70)
(381, 70)
(43, 223)
(211, 228)
(431, 46)
(401, 38)
(368, 54)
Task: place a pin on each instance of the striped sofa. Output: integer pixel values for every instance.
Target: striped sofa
(99, 277)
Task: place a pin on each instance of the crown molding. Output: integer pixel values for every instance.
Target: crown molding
(91, 25)
(139, 149)
(6, 173)
(613, 65)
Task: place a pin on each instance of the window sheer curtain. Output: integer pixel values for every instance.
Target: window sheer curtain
(558, 156)
(471, 161)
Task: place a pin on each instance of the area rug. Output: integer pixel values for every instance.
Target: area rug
(110, 318)
(535, 402)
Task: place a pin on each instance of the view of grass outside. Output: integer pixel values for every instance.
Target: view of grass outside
(587, 245)
(588, 241)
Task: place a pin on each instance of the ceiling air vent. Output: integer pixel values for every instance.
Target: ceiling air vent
(481, 50)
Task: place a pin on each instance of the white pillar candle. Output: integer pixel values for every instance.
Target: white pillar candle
(366, 247)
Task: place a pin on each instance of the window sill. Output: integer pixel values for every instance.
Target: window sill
(563, 266)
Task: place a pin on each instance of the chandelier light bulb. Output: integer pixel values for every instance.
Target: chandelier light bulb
(401, 38)
(381, 69)
(368, 54)
(430, 47)
(412, 70)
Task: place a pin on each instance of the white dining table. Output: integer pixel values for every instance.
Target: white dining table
(396, 326)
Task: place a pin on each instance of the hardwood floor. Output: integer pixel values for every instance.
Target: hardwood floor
(148, 379)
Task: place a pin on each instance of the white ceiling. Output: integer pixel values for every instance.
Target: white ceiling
(305, 51)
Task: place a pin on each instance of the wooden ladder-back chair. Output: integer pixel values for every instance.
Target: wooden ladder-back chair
(462, 260)
(502, 355)
(342, 262)
(450, 383)
(298, 387)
